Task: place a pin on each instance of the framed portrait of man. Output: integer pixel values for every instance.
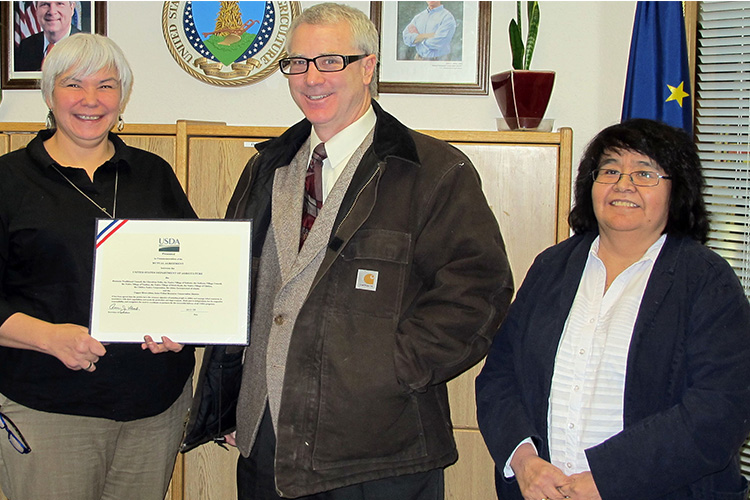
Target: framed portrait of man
(431, 47)
(30, 29)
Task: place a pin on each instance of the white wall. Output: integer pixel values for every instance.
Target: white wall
(586, 43)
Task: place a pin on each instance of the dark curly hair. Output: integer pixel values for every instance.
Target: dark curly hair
(673, 150)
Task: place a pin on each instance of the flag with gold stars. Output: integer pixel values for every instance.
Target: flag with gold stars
(658, 80)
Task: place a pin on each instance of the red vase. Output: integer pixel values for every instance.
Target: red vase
(522, 96)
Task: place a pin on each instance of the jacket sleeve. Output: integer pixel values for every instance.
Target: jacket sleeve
(502, 413)
(701, 433)
(466, 283)
(214, 407)
(239, 197)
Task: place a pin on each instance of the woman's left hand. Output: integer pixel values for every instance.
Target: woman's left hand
(582, 487)
(165, 345)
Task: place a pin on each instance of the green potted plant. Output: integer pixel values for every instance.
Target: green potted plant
(523, 94)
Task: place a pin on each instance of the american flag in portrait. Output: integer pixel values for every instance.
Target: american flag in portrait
(24, 16)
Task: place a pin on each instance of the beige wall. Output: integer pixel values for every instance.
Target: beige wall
(587, 44)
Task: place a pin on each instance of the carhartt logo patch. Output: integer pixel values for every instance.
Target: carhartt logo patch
(367, 280)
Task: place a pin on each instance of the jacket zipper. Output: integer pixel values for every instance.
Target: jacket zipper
(358, 195)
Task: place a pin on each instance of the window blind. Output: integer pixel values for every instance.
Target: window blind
(722, 116)
(723, 127)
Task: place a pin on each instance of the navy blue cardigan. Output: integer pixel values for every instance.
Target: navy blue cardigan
(687, 386)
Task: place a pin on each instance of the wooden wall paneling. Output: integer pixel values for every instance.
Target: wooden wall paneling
(21, 127)
(472, 477)
(520, 183)
(564, 179)
(216, 155)
(20, 140)
(4, 143)
(210, 473)
(214, 168)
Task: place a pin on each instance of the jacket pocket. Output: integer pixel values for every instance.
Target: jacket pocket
(368, 277)
(365, 417)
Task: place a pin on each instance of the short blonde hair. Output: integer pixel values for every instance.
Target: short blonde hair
(85, 54)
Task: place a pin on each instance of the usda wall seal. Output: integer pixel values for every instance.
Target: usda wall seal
(228, 43)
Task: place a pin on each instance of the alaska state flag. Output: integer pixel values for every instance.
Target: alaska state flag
(658, 81)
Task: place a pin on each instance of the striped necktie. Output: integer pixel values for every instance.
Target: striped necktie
(313, 200)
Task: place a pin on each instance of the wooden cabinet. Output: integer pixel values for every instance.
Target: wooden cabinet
(526, 179)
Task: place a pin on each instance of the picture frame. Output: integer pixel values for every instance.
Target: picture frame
(462, 71)
(18, 22)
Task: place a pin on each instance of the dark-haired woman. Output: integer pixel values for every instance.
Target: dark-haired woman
(622, 370)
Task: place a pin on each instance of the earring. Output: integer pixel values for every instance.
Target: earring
(120, 124)
(50, 121)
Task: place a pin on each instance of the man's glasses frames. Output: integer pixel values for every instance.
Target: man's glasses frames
(329, 63)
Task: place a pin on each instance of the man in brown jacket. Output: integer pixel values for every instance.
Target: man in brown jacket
(360, 318)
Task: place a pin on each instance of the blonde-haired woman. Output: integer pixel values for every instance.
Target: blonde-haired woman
(83, 420)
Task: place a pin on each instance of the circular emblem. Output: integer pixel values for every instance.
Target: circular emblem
(227, 43)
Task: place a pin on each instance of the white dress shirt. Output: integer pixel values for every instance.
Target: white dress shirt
(588, 384)
(341, 147)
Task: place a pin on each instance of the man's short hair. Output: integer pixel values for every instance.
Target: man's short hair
(364, 33)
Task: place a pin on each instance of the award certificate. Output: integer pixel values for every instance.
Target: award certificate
(188, 280)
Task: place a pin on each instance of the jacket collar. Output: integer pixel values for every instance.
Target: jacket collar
(392, 138)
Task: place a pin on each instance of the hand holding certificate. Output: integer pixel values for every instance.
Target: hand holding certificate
(183, 279)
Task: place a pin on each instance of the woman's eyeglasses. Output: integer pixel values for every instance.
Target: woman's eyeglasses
(643, 178)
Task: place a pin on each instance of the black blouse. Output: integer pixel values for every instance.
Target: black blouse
(47, 231)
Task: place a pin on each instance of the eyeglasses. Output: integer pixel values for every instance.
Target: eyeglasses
(329, 63)
(642, 178)
(14, 435)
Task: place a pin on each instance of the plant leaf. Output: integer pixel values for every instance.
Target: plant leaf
(516, 44)
(519, 18)
(533, 31)
(530, 9)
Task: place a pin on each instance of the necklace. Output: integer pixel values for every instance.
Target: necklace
(114, 203)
